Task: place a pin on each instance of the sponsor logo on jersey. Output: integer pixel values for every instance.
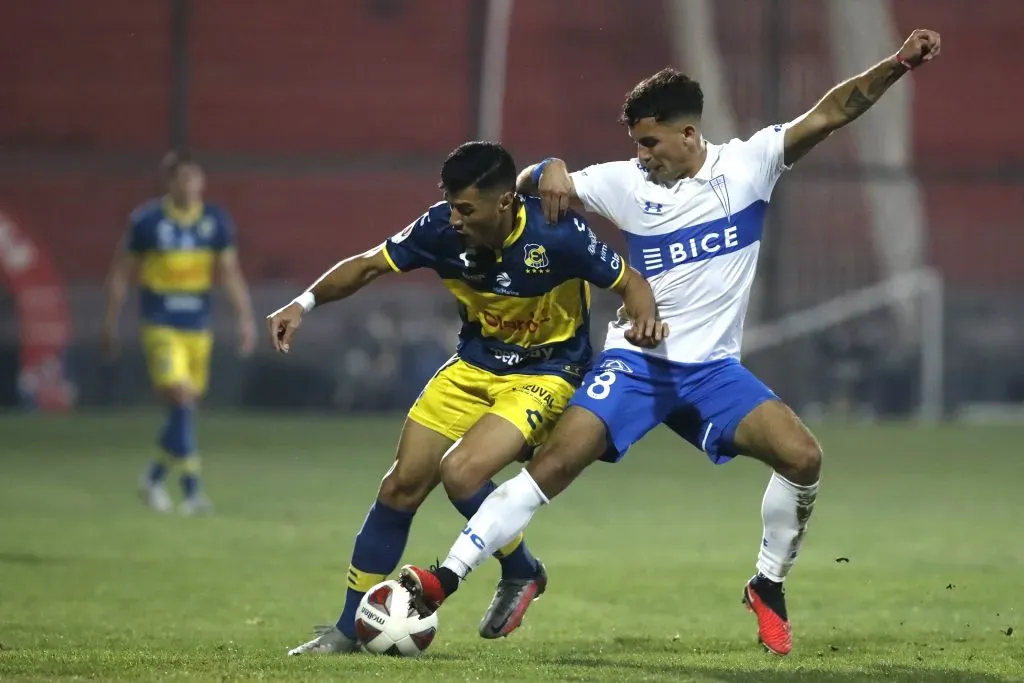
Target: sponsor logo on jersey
(530, 324)
(692, 249)
(538, 392)
(513, 358)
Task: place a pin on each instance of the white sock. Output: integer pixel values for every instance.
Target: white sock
(500, 518)
(785, 510)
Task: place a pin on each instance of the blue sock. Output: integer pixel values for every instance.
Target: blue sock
(157, 471)
(517, 562)
(179, 439)
(377, 552)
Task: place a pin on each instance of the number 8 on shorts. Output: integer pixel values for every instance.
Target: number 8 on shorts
(601, 385)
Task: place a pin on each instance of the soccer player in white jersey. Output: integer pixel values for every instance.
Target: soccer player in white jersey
(692, 213)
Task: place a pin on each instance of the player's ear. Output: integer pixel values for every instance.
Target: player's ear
(506, 201)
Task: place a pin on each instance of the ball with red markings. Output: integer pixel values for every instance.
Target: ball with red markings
(388, 624)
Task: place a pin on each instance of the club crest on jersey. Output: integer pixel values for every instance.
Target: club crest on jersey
(722, 192)
(536, 259)
(616, 365)
(205, 228)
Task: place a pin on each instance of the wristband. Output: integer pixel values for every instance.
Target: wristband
(306, 300)
(538, 170)
(906, 65)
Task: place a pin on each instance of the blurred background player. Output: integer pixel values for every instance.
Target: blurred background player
(524, 298)
(176, 243)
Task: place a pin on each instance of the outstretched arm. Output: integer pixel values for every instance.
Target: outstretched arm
(851, 98)
(343, 280)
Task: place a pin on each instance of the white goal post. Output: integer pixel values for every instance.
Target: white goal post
(923, 285)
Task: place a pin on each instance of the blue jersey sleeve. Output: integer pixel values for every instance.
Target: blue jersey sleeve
(139, 237)
(224, 235)
(417, 245)
(587, 257)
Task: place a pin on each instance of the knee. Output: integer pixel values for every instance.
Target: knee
(803, 461)
(401, 491)
(460, 477)
(553, 468)
(179, 395)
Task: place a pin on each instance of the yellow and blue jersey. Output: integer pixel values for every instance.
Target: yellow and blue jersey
(177, 253)
(525, 308)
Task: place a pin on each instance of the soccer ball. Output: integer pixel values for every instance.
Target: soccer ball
(388, 624)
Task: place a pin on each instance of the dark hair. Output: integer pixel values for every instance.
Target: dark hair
(665, 96)
(174, 160)
(483, 165)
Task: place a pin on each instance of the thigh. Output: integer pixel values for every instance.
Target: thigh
(453, 400)
(628, 395)
(579, 439)
(532, 403)
(199, 346)
(715, 399)
(775, 435)
(418, 458)
(167, 358)
(487, 448)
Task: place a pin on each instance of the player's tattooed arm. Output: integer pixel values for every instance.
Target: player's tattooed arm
(851, 98)
(646, 330)
(343, 280)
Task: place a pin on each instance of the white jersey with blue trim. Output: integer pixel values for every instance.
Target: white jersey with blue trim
(696, 240)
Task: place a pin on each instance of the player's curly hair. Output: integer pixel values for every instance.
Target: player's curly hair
(664, 96)
(483, 165)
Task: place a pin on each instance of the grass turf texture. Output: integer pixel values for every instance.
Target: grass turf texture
(647, 560)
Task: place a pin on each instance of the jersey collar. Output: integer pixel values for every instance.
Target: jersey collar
(517, 231)
(183, 217)
(707, 168)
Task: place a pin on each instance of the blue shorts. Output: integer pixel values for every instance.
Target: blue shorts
(703, 403)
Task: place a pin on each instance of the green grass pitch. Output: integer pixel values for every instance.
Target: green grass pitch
(647, 560)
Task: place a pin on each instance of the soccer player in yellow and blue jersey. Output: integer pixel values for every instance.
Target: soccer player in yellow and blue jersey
(177, 243)
(524, 297)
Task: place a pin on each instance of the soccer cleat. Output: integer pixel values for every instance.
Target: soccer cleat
(329, 640)
(156, 496)
(767, 600)
(511, 600)
(424, 587)
(196, 505)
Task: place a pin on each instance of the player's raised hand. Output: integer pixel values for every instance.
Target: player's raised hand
(922, 46)
(646, 333)
(282, 324)
(555, 190)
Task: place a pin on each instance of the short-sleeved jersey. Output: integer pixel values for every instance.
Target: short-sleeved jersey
(526, 307)
(695, 240)
(177, 258)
